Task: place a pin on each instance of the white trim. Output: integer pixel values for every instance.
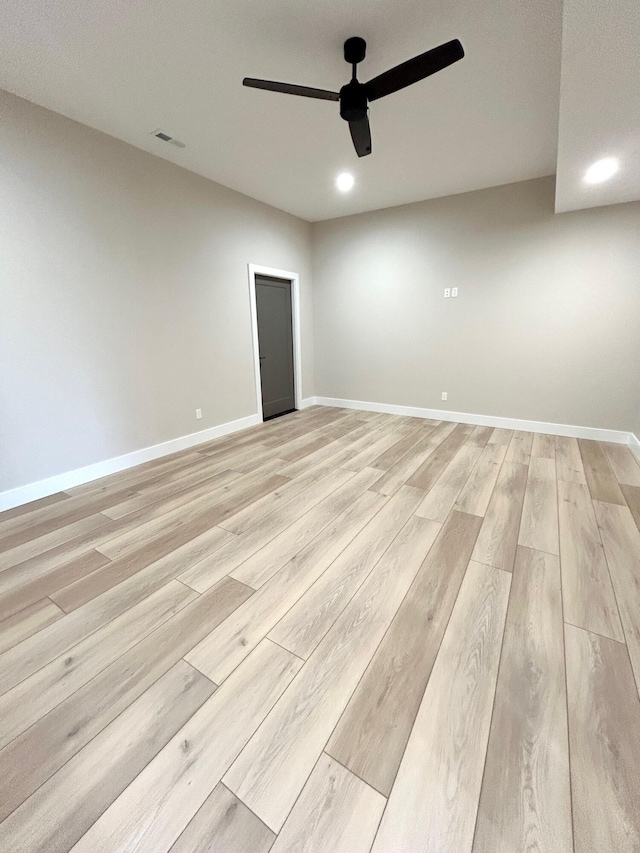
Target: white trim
(43, 488)
(634, 445)
(617, 436)
(309, 401)
(294, 278)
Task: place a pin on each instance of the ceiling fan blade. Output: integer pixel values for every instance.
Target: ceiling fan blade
(291, 89)
(413, 70)
(361, 136)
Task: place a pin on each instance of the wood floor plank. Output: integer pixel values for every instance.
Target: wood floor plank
(59, 536)
(244, 438)
(55, 817)
(305, 624)
(30, 700)
(286, 529)
(357, 594)
(440, 499)
(480, 436)
(286, 431)
(301, 492)
(169, 530)
(132, 477)
(323, 454)
(342, 450)
(604, 731)
(624, 464)
(632, 496)
(601, 480)
(108, 577)
(201, 480)
(336, 811)
(61, 514)
(476, 492)
(433, 804)
(159, 472)
(292, 526)
(274, 766)
(498, 537)
(373, 451)
(543, 446)
(589, 600)
(39, 752)
(372, 733)
(621, 540)
(223, 823)
(24, 659)
(77, 548)
(398, 475)
(23, 623)
(157, 806)
(260, 435)
(308, 443)
(30, 591)
(197, 470)
(280, 515)
(569, 461)
(32, 506)
(363, 544)
(519, 450)
(262, 566)
(330, 456)
(398, 448)
(428, 473)
(525, 803)
(155, 471)
(539, 523)
(253, 459)
(61, 555)
(501, 436)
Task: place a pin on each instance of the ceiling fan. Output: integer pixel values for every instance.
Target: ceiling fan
(355, 96)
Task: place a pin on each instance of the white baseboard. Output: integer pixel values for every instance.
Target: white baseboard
(308, 401)
(61, 482)
(43, 488)
(617, 436)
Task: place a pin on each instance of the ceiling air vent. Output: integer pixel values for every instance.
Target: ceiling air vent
(160, 134)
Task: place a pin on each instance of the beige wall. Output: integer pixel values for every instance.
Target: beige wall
(124, 299)
(546, 326)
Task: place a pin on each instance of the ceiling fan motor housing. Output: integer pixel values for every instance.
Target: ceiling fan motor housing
(353, 101)
(355, 50)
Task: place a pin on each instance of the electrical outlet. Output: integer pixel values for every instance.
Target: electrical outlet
(447, 292)
(444, 395)
(198, 414)
(454, 291)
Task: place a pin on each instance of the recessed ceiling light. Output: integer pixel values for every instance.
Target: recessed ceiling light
(345, 182)
(601, 171)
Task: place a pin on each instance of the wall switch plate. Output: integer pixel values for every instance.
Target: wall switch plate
(447, 292)
(454, 291)
(444, 395)
(198, 413)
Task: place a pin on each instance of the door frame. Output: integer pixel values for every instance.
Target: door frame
(294, 279)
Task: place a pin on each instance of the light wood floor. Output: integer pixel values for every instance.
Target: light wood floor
(337, 632)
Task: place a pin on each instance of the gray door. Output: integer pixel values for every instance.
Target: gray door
(275, 337)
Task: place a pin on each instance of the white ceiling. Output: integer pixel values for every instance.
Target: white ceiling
(599, 101)
(127, 67)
